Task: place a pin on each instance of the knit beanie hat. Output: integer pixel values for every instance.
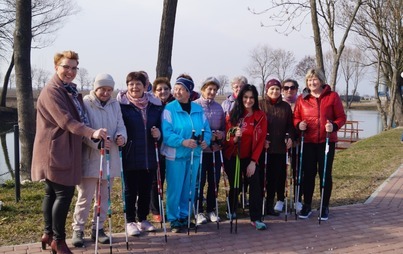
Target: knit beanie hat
(187, 83)
(210, 80)
(103, 79)
(273, 82)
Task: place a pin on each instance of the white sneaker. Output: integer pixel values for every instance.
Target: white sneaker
(298, 206)
(145, 225)
(213, 217)
(132, 229)
(201, 219)
(279, 206)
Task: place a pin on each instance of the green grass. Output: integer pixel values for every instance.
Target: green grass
(357, 172)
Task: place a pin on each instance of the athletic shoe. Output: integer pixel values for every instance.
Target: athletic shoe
(279, 206)
(270, 211)
(213, 217)
(325, 213)
(233, 216)
(132, 229)
(157, 218)
(102, 237)
(184, 223)
(298, 206)
(201, 219)
(305, 212)
(78, 238)
(145, 225)
(258, 225)
(176, 226)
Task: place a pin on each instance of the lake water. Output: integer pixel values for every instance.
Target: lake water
(369, 122)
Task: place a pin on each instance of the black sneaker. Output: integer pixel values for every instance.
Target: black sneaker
(184, 223)
(78, 238)
(305, 212)
(272, 212)
(325, 213)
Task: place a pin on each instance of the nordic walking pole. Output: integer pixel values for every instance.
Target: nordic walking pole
(99, 193)
(226, 187)
(122, 180)
(199, 172)
(236, 182)
(264, 179)
(190, 189)
(159, 187)
(294, 178)
(324, 175)
(287, 163)
(108, 178)
(300, 168)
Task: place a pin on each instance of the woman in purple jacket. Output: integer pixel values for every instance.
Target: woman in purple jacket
(216, 118)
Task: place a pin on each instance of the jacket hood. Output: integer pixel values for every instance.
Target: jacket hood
(306, 92)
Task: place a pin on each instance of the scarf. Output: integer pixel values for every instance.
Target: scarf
(141, 103)
(73, 91)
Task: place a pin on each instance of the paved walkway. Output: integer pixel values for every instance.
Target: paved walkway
(373, 227)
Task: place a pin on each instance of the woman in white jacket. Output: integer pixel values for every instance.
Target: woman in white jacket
(102, 110)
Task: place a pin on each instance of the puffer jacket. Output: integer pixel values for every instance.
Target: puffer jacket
(228, 103)
(139, 151)
(316, 112)
(177, 125)
(108, 116)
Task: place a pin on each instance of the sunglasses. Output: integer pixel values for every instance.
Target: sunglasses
(289, 87)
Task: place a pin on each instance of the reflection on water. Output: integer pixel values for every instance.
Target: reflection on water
(369, 121)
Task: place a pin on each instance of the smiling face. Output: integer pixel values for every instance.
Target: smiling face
(104, 93)
(236, 87)
(162, 91)
(248, 100)
(289, 90)
(209, 92)
(273, 92)
(66, 69)
(314, 84)
(135, 88)
(181, 93)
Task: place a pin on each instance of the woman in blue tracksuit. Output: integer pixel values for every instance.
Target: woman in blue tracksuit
(179, 119)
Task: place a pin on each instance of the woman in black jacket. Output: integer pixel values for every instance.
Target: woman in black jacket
(142, 117)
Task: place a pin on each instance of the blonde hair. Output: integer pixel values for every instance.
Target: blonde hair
(65, 54)
(315, 73)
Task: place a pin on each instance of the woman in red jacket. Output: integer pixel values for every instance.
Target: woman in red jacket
(318, 111)
(246, 128)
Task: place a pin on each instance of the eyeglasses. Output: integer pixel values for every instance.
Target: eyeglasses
(66, 67)
(289, 87)
(162, 89)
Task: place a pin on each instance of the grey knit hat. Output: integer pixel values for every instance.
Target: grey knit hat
(210, 80)
(103, 79)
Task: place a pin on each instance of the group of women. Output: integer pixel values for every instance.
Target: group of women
(194, 139)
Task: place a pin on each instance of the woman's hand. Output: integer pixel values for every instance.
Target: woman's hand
(238, 134)
(189, 143)
(302, 126)
(100, 134)
(288, 143)
(203, 145)
(120, 141)
(329, 126)
(155, 132)
(266, 144)
(250, 170)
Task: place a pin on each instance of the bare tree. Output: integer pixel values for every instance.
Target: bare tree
(83, 78)
(327, 17)
(25, 105)
(224, 81)
(47, 17)
(282, 62)
(164, 66)
(260, 66)
(39, 77)
(303, 66)
(379, 25)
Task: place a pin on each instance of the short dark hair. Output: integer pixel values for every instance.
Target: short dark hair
(136, 75)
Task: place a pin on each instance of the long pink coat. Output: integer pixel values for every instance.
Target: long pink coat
(59, 134)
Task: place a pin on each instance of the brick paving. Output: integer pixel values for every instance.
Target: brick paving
(373, 227)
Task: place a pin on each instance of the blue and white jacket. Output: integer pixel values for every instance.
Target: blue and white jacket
(177, 125)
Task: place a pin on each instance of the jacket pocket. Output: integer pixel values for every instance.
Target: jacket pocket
(61, 154)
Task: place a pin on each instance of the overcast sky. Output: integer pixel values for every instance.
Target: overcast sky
(211, 38)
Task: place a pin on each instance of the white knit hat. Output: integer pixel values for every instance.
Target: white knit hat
(103, 79)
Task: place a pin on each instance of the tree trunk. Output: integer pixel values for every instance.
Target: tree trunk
(25, 104)
(316, 36)
(3, 99)
(164, 67)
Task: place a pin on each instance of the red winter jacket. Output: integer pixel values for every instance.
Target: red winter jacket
(316, 112)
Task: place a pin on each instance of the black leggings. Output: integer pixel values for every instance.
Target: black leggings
(56, 204)
(255, 192)
(312, 163)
